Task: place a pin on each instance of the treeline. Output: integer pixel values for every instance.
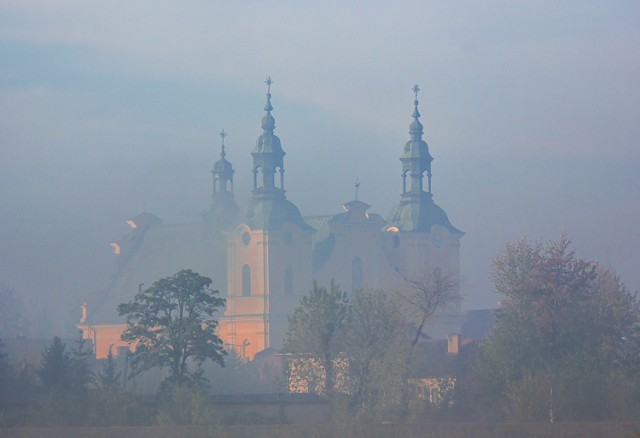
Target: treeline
(68, 387)
(63, 390)
(565, 346)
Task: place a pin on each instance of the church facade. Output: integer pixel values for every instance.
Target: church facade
(265, 256)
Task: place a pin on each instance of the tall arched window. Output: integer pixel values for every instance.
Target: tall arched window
(246, 281)
(356, 273)
(288, 280)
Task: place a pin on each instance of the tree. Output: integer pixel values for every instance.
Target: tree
(56, 368)
(560, 333)
(376, 344)
(171, 323)
(12, 316)
(82, 376)
(109, 377)
(315, 328)
(426, 294)
(5, 373)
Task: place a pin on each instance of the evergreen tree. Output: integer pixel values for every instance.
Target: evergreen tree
(82, 376)
(56, 370)
(109, 377)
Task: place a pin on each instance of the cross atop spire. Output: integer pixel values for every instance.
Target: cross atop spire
(268, 122)
(357, 187)
(268, 82)
(222, 136)
(416, 127)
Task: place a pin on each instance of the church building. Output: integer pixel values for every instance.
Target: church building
(264, 257)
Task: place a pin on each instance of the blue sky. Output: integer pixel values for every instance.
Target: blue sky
(108, 109)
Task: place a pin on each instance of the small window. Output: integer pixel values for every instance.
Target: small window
(246, 238)
(246, 281)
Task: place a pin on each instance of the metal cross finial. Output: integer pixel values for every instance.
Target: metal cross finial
(268, 82)
(416, 89)
(222, 136)
(357, 186)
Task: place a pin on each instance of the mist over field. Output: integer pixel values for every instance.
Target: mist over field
(112, 109)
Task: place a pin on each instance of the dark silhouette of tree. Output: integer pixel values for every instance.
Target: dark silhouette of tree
(316, 326)
(82, 376)
(56, 369)
(172, 323)
(109, 377)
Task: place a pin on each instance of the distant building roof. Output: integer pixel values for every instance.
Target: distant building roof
(478, 324)
(160, 251)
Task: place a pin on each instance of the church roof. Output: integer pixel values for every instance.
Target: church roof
(161, 251)
(420, 216)
(318, 221)
(271, 212)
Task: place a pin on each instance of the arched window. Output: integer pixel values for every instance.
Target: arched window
(246, 281)
(356, 273)
(288, 280)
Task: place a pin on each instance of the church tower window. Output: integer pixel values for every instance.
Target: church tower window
(246, 281)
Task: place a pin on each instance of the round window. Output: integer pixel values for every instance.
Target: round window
(246, 238)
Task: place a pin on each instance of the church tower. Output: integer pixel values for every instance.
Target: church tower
(269, 254)
(419, 237)
(223, 211)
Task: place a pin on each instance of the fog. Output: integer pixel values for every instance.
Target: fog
(109, 110)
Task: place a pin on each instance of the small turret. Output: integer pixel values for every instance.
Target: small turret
(222, 172)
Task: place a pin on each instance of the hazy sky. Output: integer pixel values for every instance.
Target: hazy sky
(110, 109)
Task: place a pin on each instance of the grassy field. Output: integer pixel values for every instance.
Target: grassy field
(430, 430)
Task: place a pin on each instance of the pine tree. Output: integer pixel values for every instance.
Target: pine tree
(56, 369)
(80, 369)
(109, 377)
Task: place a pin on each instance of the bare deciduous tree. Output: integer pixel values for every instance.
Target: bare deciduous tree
(425, 294)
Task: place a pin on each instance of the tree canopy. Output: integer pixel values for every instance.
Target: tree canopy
(172, 324)
(316, 325)
(563, 325)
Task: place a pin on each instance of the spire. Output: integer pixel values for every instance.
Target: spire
(223, 209)
(416, 211)
(222, 171)
(416, 128)
(268, 156)
(268, 122)
(415, 158)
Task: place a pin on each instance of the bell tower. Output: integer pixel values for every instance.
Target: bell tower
(268, 156)
(269, 254)
(223, 211)
(419, 236)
